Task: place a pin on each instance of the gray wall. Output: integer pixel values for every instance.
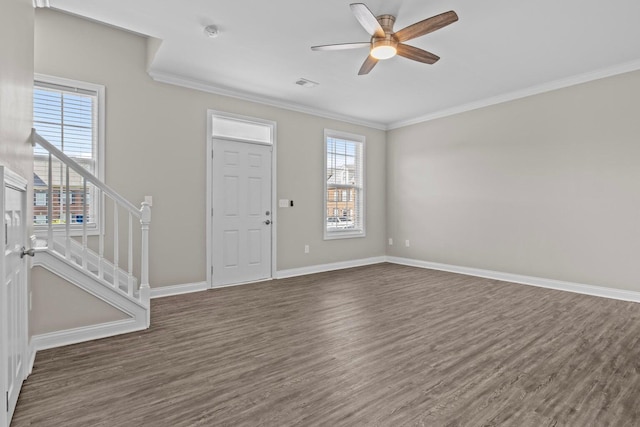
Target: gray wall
(16, 85)
(544, 186)
(50, 293)
(156, 141)
(16, 89)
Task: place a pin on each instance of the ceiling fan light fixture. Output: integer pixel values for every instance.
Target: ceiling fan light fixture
(386, 43)
(384, 49)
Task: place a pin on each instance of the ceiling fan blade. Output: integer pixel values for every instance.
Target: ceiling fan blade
(416, 54)
(368, 65)
(426, 26)
(342, 46)
(367, 19)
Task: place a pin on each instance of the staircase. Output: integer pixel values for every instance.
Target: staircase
(71, 240)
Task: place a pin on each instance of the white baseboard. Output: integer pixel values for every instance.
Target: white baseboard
(31, 358)
(321, 268)
(230, 285)
(579, 288)
(167, 291)
(85, 333)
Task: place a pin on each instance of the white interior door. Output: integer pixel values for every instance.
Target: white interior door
(242, 212)
(13, 296)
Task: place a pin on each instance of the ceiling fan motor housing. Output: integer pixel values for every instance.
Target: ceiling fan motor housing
(384, 47)
(386, 22)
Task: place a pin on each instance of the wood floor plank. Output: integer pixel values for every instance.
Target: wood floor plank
(382, 345)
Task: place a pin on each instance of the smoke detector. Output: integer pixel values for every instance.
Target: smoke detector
(211, 31)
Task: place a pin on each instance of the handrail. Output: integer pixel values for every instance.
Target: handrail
(36, 138)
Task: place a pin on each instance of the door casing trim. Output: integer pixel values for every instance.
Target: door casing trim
(209, 189)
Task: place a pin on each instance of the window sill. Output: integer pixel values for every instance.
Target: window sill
(333, 235)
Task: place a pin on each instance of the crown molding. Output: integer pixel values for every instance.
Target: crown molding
(177, 80)
(189, 83)
(523, 93)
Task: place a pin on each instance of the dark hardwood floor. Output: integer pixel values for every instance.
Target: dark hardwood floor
(384, 345)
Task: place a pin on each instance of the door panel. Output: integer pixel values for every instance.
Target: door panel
(13, 295)
(241, 202)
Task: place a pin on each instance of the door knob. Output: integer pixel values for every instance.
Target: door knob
(24, 251)
(267, 222)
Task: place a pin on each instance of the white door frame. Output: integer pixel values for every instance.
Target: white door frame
(13, 180)
(209, 189)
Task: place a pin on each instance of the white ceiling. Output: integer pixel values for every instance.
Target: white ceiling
(498, 49)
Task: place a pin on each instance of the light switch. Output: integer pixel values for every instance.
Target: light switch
(283, 203)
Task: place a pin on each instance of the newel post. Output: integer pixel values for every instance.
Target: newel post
(145, 290)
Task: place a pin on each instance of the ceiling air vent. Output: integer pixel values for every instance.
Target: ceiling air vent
(306, 83)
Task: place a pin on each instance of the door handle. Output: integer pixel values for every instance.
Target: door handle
(24, 251)
(267, 222)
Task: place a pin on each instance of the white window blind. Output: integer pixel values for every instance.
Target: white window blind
(344, 185)
(67, 116)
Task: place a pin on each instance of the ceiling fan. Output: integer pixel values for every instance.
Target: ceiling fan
(385, 43)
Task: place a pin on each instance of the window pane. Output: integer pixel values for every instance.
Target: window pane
(40, 199)
(228, 127)
(66, 117)
(344, 187)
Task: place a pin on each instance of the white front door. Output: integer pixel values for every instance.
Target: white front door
(242, 212)
(13, 295)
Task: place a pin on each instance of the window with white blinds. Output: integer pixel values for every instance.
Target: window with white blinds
(66, 113)
(344, 185)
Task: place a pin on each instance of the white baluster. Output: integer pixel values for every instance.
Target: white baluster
(84, 223)
(116, 249)
(130, 253)
(101, 239)
(67, 217)
(50, 244)
(145, 289)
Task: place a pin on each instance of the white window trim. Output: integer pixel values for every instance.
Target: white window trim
(344, 234)
(75, 230)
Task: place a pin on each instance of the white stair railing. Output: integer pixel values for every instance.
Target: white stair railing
(60, 236)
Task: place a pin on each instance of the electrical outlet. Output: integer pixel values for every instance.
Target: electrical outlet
(306, 249)
(390, 241)
(406, 243)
